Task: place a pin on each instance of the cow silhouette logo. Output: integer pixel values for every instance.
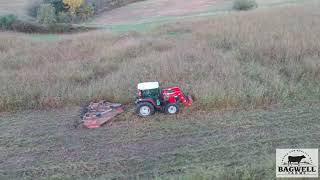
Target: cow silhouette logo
(297, 159)
(297, 163)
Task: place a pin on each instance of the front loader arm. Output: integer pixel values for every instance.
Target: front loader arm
(175, 92)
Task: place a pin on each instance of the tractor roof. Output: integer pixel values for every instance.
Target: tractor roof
(148, 85)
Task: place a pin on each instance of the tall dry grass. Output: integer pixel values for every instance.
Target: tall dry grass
(242, 59)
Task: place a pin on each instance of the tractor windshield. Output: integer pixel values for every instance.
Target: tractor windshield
(151, 93)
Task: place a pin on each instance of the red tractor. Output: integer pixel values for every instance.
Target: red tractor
(151, 98)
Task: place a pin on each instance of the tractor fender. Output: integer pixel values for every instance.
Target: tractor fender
(149, 100)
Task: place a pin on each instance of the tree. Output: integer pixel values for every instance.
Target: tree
(85, 11)
(57, 4)
(7, 21)
(244, 4)
(46, 14)
(73, 5)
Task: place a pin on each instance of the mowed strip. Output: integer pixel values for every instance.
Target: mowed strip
(45, 143)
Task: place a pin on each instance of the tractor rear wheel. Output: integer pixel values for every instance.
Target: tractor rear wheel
(145, 109)
(172, 108)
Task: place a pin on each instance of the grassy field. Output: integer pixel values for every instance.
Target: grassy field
(193, 145)
(145, 15)
(13, 6)
(223, 62)
(234, 63)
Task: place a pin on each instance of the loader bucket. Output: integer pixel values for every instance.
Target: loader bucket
(189, 101)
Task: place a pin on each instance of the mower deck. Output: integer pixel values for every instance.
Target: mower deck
(101, 113)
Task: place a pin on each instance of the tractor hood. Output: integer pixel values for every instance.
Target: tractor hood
(148, 86)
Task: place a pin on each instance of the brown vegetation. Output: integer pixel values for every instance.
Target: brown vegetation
(242, 59)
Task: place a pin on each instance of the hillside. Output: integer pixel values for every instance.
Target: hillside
(227, 63)
(143, 15)
(20, 7)
(254, 74)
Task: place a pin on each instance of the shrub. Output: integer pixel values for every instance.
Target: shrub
(244, 4)
(28, 27)
(64, 17)
(32, 27)
(73, 5)
(60, 28)
(34, 6)
(60, 11)
(85, 12)
(11, 22)
(7, 21)
(46, 14)
(57, 4)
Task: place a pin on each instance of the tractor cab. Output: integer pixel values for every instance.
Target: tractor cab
(151, 91)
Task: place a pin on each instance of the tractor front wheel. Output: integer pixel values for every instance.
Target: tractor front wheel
(145, 109)
(172, 108)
